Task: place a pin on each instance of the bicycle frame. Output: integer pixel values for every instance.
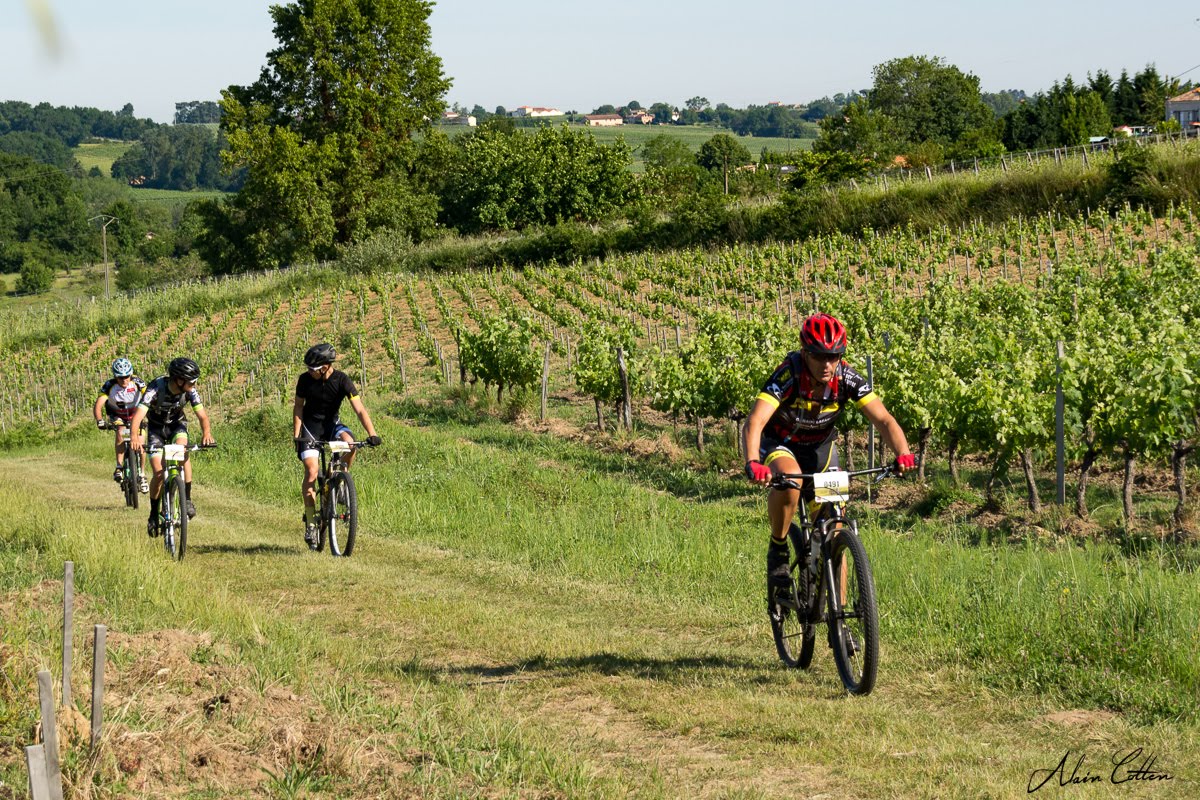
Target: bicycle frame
(818, 592)
(132, 466)
(173, 519)
(337, 526)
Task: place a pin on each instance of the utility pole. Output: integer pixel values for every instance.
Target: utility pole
(104, 243)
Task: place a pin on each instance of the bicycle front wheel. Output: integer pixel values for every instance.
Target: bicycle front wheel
(343, 514)
(794, 636)
(133, 477)
(176, 519)
(854, 630)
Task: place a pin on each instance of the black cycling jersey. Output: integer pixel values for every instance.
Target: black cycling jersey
(323, 399)
(804, 414)
(163, 407)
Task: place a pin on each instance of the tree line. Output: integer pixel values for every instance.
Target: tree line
(924, 111)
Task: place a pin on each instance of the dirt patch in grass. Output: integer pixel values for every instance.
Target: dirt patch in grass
(182, 714)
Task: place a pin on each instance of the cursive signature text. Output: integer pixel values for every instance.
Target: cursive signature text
(1134, 765)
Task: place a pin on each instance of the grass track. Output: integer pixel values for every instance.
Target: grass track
(575, 632)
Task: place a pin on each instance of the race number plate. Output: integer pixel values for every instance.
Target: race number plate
(832, 487)
(174, 452)
(339, 447)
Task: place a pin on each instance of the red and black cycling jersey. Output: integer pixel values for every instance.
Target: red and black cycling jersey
(805, 413)
(122, 401)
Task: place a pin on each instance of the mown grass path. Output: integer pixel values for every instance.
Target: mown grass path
(447, 658)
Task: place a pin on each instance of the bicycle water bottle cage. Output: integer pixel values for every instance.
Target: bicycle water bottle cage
(174, 452)
(831, 487)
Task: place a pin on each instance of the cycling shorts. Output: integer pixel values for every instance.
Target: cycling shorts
(167, 433)
(820, 457)
(320, 433)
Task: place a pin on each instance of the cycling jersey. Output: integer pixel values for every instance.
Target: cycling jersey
(323, 400)
(121, 400)
(805, 414)
(162, 406)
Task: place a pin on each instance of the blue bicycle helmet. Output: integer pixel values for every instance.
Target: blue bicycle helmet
(122, 368)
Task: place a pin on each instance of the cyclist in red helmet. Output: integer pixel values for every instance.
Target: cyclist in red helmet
(791, 426)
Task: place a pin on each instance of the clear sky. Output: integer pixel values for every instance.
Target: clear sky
(579, 55)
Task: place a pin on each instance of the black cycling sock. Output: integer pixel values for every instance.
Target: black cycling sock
(778, 542)
(188, 490)
(154, 507)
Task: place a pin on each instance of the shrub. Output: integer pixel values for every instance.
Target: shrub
(35, 277)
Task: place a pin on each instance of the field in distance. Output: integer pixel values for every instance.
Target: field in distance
(693, 136)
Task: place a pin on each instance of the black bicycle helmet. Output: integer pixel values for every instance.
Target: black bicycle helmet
(184, 369)
(319, 355)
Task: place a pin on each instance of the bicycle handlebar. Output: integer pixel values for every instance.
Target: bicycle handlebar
(783, 478)
(191, 448)
(318, 443)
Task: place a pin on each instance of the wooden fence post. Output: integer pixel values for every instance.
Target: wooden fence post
(50, 735)
(35, 765)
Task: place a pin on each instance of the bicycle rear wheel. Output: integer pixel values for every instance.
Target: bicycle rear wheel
(175, 516)
(343, 514)
(854, 632)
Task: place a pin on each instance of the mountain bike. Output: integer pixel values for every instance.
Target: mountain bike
(131, 468)
(337, 500)
(831, 583)
(172, 511)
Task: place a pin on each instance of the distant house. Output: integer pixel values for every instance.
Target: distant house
(602, 120)
(1185, 108)
(639, 118)
(534, 111)
(451, 118)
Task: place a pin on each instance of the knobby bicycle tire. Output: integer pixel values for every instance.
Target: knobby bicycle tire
(854, 634)
(175, 534)
(343, 514)
(133, 476)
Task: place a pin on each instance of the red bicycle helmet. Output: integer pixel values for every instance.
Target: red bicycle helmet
(823, 335)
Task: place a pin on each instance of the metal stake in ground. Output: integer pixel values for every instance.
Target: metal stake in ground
(99, 634)
(68, 629)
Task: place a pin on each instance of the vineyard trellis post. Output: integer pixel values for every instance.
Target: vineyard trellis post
(626, 400)
(1060, 459)
(68, 629)
(870, 428)
(99, 637)
(545, 381)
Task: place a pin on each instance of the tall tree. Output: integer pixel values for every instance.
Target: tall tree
(326, 132)
(928, 99)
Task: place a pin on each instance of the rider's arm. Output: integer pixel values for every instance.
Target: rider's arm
(357, 404)
(98, 409)
(885, 423)
(752, 432)
(206, 437)
(297, 415)
(135, 425)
